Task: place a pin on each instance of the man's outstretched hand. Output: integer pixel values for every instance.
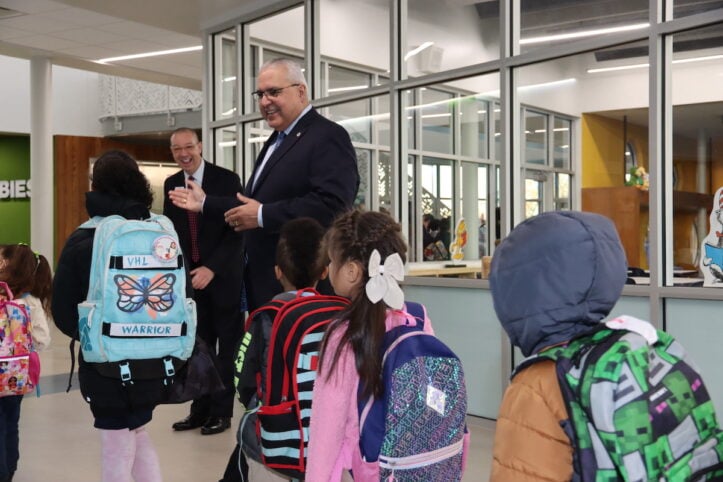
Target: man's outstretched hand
(190, 198)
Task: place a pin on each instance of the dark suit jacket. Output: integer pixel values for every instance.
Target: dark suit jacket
(220, 247)
(313, 173)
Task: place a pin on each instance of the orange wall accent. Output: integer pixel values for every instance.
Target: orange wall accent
(602, 150)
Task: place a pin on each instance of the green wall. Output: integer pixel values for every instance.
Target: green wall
(14, 206)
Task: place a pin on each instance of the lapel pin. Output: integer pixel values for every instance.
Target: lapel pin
(298, 134)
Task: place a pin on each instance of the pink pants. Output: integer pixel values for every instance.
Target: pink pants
(129, 455)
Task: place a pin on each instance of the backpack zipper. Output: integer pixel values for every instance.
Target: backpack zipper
(421, 460)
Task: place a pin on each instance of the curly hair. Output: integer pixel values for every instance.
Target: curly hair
(353, 237)
(117, 173)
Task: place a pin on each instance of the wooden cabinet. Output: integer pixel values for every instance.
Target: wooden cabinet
(627, 207)
(623, 205)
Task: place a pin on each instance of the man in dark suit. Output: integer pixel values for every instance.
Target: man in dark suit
(307, 167)
(214, 256)
(311, 172)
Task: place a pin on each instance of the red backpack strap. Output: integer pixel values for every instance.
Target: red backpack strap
(303, 292)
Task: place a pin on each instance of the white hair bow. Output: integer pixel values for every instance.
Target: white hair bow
(383, 279)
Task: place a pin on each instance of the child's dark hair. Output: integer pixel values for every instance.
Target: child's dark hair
(300, 254)
(353, 237)
(27, 272)
(116, 172)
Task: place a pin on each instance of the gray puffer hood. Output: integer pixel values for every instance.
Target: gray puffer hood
(555, 276)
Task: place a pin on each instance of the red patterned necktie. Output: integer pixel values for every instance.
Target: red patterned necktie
(193, 228)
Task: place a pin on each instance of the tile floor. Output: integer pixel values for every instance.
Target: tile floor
(59, 444)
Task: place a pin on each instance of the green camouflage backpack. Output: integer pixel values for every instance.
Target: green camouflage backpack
(638, 409)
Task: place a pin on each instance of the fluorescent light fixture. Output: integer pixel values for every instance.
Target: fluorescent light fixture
(151, 54)
(697, 59)
(556, 129)
(415, 51)
(619, 67)
(258, 140)
(641, 66)
(229, 112)
(229, 79)
(430, 116)
(584, 33)
(227, 144)
(346, 89)
(547, 84)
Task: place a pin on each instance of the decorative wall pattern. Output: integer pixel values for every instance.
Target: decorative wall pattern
(128, 97)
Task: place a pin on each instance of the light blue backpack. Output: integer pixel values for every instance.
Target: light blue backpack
(136, 307)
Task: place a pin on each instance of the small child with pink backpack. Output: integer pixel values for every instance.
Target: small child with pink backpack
(389, 398)
(25, 291)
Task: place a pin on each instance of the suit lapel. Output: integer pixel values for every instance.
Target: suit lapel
(281, 151)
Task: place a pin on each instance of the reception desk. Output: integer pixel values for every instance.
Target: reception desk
(439, 269)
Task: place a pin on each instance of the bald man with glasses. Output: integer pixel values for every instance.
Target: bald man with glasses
(307, 167)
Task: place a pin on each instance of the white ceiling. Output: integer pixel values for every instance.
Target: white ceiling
(75, 33)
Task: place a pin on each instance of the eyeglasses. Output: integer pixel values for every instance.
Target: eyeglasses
(270, 93)
(188, 147)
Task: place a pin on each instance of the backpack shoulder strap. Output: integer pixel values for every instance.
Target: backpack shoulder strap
(272, 307)
(416, 310)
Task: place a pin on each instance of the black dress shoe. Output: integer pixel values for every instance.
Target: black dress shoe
(215, 425)
(190, 422)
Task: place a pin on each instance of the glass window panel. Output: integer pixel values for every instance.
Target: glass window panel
(381, 131)
(454, 141)
(364, 163)
(278, 35)
(473, 208)
(685, 8)
(225, 55)
(535, 138)
(384, 174)
(562, 191)
(534, 189)
(346, 80)
(446, 35)
(697, 155)
(411, 118)
(437, 187)
(226, 147)
(473, 114)
(547, 24)
(612, 108)
(355, 117)
(561, 143)
(436, 112)
(415, 234)
(498, 132)
(257, 133)
(361, 120)
(356, 31)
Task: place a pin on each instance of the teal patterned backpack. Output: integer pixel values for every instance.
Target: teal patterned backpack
(136, 321)
(638, 408)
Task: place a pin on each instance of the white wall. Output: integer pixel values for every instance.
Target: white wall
(76, 99)
(15, 92)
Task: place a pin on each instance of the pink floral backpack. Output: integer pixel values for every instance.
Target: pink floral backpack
(19, 362)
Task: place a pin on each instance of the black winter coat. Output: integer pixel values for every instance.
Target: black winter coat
(114, 406)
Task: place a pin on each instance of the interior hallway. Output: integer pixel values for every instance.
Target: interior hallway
(59, 444)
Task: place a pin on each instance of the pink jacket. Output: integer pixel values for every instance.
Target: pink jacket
(334, 429)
